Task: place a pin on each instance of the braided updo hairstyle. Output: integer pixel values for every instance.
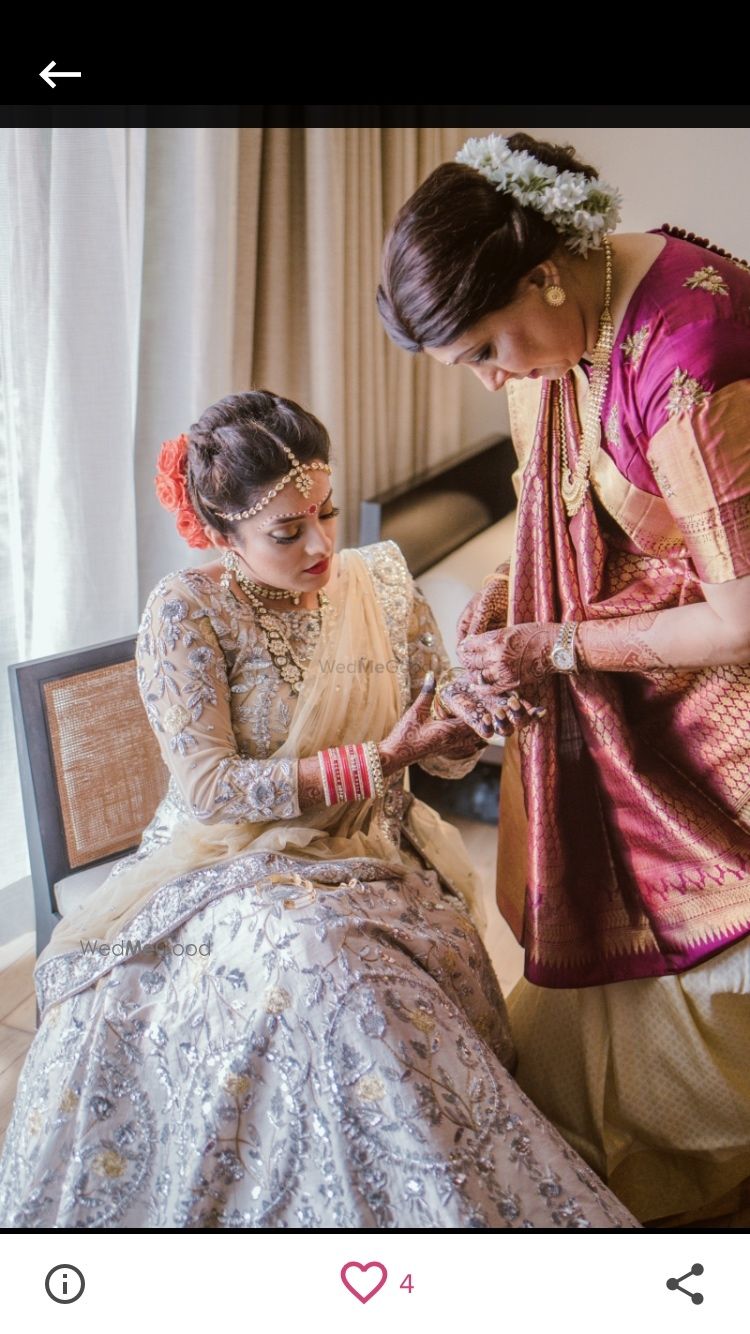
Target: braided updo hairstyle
(234, 452)
(459, 247)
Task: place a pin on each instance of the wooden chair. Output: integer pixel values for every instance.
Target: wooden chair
(91, 770)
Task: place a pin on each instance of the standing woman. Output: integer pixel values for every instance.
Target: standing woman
(627, 362)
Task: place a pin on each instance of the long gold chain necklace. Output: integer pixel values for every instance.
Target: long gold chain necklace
(574, 484)
(287, 663)
(270, 622)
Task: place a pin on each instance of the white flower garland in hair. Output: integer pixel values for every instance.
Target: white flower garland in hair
(583, 210)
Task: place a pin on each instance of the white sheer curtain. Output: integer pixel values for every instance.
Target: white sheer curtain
(143, 275)
(116, 270)
(314, 206)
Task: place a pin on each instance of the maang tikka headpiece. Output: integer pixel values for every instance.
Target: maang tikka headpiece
(299, 473)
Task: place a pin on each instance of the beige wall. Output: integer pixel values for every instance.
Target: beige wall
(696, 179)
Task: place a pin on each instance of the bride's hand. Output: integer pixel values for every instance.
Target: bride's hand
(417, 735)
(472, 702)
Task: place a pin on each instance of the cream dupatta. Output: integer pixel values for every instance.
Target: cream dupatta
(366, 705)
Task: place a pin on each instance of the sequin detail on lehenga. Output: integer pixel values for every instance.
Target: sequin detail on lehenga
(261, 1057)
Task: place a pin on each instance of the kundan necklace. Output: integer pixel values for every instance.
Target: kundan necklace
(575, 483)
(282, 654)
(233, 567)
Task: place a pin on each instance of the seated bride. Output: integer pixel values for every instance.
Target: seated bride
(295, 1023)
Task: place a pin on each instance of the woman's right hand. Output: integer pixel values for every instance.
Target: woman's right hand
(417, 735)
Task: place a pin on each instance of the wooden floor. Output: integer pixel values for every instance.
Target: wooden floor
(17, 1018)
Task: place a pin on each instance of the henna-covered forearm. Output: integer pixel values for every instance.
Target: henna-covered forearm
(618, 645)
(685, 638)
(712, 633)
(309, 783)
(415, 736)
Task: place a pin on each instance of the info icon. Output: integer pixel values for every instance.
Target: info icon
(65, 1284)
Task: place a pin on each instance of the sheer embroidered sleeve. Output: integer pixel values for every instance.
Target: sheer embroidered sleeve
(182, 679)
(427, 653)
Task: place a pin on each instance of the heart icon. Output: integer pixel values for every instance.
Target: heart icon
(369, 1286)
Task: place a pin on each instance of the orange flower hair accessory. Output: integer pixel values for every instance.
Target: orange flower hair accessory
(171, 489)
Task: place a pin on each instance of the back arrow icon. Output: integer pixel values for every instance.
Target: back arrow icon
(59, 74)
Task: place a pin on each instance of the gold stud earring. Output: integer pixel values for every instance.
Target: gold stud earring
(554, 295)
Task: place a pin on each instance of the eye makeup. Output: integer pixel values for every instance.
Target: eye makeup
(293, 537)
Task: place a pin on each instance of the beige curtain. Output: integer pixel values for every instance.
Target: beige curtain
(313, 208)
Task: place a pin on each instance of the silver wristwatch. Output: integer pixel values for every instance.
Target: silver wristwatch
(563, 653)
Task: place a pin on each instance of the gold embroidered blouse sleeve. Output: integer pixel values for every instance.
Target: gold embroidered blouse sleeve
(700, 458)
(182, 679)
(427, 653)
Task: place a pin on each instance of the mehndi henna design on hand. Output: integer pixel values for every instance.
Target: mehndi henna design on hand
(506, 711)
(488, 609)
(618, 645)
(513, 658)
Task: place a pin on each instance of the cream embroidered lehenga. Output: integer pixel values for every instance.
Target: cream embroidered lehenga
(271, 1053)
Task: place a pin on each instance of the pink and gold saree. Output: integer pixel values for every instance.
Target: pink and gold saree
(637, 786)
(624, 862)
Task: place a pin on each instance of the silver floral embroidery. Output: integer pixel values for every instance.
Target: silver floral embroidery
(345, 1071)
(685, 393)
(634, 344)
(364, 1029)
(612, 426)
(708, 279)
(200, 645)
(180, 657)
(175, 719)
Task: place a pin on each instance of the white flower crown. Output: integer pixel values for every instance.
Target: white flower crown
(582, 210)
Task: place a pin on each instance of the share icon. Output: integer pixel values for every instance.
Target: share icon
(674, 1285)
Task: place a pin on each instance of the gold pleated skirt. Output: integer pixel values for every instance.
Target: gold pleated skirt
(649, 1080)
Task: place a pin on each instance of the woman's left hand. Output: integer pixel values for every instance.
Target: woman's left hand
(510, 659)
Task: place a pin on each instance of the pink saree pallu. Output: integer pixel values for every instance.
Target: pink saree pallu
(636, 786)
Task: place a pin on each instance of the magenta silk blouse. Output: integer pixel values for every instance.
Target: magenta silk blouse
(690, 311)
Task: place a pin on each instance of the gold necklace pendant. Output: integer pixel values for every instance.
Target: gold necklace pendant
(573, 491)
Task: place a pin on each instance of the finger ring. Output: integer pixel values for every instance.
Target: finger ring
(438, 709)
